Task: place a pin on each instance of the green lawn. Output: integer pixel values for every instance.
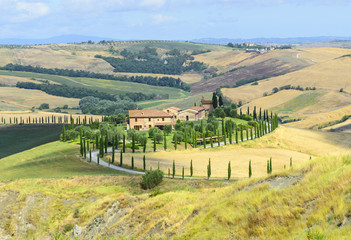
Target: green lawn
(52, 160)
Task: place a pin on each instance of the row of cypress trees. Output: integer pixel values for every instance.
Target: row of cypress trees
(53, 119)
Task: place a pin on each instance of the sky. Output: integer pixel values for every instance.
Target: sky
(174, 19)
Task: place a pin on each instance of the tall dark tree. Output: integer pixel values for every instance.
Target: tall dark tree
(121, 158)
(209, 169)
(214, 100)
(229, 171)
(132, 162)
(144, 163)
(173, 169)
(250, 169)
(191, 168)
(220, 101)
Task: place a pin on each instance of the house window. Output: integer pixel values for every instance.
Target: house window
(163, 119)
(149, 126)
(136, 120)
(149, 119)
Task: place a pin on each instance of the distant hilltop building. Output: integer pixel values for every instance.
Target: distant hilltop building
(249, 44)
(146, 119)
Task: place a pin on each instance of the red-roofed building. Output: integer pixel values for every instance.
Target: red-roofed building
(192, 114)
(146, 119)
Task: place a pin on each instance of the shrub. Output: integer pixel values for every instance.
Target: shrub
(71, 134)
(130, 145)
(44, 106)
(151, 179)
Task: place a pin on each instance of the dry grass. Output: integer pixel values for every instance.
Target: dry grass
(283, 143)
(33, 98)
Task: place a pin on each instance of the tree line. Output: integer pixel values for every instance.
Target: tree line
(77, 92)
(148, 61)
(154, 81)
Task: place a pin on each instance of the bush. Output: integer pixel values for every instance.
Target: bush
(71, 134)
(151, 179)
(130, 145)
(44, 106)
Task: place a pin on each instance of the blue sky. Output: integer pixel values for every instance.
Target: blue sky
(174, 19)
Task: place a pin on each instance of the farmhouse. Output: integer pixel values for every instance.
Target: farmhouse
(146, 119)
(192, 114)
(174, 111)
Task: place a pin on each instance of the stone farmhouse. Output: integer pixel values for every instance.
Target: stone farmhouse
(146, 119)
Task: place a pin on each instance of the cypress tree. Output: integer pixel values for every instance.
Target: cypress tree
(214, 100)
(223, 127)
(173, 170)
(209, 169)
(191, 168)
(250, 170)
(102, 146)
(121, 158)
(164, 141)
(97, 141)
(211, 142)
(241, 133)
(106, 142)
(230, 132)
(113, 153)
(254, 113)
(204, 139)
(98, 160)
(290, 161)
(84, 148)
(133, 143)
(124, 143)
(248, 110)
(88, 147)
(175, 141)
(251, 133)
(270, 165)
(81, 145)
(220, 101)
(260, 116)
(229, 171)
(154, 142)
(144, 163)
(90, 155)
(183, 173)
(236, 135)
(144, 145)
(63, 132)
(218, 140)
(132, 162)
(247, 134)
(267, 166)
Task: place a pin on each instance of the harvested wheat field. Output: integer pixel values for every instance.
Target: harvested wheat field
(320, 75)
(33, 98)
(283, 143)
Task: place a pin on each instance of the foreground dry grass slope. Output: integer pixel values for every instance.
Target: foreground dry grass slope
(308, 202)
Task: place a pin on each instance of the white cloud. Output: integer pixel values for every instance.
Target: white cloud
(152, 4)
(160, 18)
(15, 11)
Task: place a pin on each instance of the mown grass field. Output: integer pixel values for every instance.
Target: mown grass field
(15, 139)
(108, 86)
(28, 98)
(51, 160)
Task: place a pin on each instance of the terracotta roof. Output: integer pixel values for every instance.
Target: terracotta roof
(176, 108)
(148, 113)
(198, 109)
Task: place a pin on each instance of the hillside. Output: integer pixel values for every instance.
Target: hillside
(311, 200)
(329, 75)
(249, 66)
